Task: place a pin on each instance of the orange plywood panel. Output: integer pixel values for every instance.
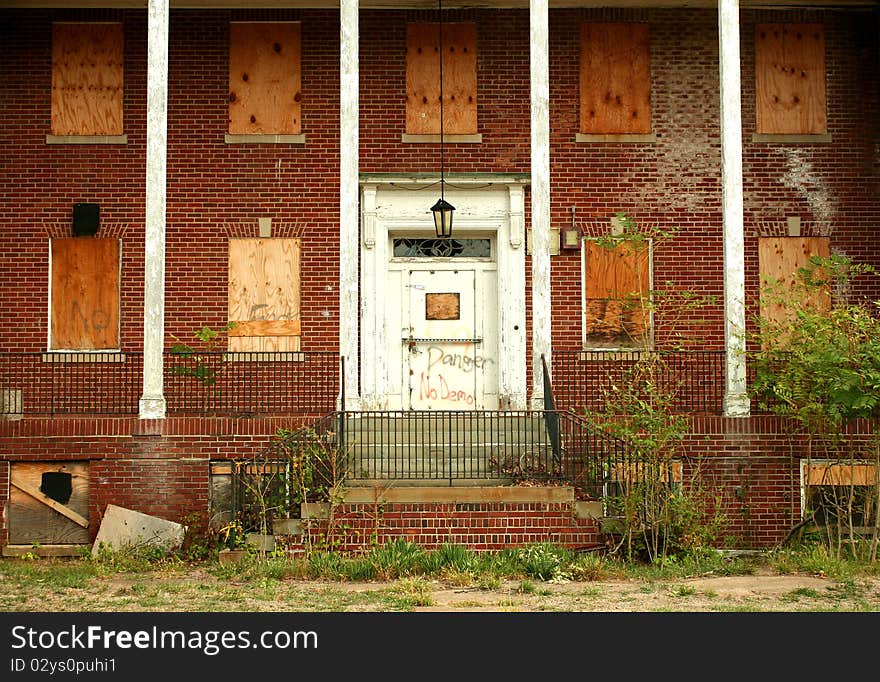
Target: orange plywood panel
(790, 79)
(87, 78)
(265, 78)
(615, 79)
(459, 79)
(85, 293)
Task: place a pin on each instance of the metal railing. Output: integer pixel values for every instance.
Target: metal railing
(227, 384)
(695, 379)
(449, 447)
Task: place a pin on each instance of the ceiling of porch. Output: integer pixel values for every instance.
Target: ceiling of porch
(430, 4)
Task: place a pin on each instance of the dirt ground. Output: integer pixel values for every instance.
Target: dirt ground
(199, 590)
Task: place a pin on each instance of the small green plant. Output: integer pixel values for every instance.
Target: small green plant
(203, 365)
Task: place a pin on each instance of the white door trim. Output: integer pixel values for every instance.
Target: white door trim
(483, 205)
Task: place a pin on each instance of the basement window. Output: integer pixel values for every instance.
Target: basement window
(790, 95)
(842, 495)
(87, 83)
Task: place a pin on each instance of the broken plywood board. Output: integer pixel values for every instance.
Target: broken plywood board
(37, 517)
(123, 529)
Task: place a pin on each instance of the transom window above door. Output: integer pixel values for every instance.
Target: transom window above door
(442, 248)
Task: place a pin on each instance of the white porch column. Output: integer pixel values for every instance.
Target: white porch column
(348, 197)
(152, 402)
(539, 65)
(736, 400)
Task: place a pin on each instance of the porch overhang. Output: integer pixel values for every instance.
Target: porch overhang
(431, 4)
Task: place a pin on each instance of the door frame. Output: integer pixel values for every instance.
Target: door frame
(491, 204)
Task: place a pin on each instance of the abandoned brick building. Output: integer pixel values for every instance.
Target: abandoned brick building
(177, 165)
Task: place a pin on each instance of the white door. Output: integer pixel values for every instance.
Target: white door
(442, 358)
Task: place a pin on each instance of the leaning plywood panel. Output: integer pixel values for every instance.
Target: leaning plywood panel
(87, 79)
(85, 293)
(264, 78)
(615, 79)
(790, 79)
(264, 295)
(49, 503)
(459, 79)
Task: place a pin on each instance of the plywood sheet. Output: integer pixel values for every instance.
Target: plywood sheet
(840, 474)
(459, 79)
(443, 306)
(87, 79)
(31, 520)
(264, 294)
(265, 78)
(790, 79)
(615, 79)
(779, 259)
(615, 282)
(85, 293)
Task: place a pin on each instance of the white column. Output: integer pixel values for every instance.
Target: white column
(348, 197)
(540, 135)
(736, 400)
(152, 402)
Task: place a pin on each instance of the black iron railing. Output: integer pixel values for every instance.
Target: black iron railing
(458, 446)
(583, 379)
(228, 384)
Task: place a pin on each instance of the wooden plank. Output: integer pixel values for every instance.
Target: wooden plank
(790, 79)
(31, 519)
(779, 259)
(840, 474)
(266, 328)
(265, 78)
(264, 287)
(459, 79)
(85, 293)
(615, 79)
(615, 280)
(87, 78)
(442, 306)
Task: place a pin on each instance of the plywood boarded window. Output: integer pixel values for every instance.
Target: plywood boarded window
(459, 79)
(87, 79)
(265, 78)
(49, 503)
(264, 294)
(84, 293)
(790, 79)
(615, 79)
(779, 259)
(841, 494)
(616, 283)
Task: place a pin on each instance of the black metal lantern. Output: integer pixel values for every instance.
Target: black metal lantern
(442, 210)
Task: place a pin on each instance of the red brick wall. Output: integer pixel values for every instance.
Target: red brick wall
(217, 190)
(479, 526)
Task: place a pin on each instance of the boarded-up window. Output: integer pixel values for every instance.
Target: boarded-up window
(841, 494)
(459, 79)
(87, 79)
(264, 78)
(615, 79)
(264, 294)
(790, 79)
(779, 259)
(616, 294)
(85, 294)
(49, 503)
